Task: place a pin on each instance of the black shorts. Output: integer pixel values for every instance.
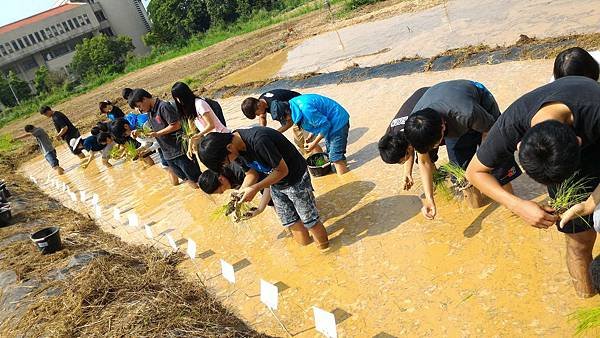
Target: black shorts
(590, 170)
(462, 149)
(185, 168)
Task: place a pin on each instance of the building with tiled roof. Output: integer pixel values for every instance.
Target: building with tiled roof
(49, 38)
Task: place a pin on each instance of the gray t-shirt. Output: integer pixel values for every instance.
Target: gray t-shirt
(464, 105)
(43, 140)
(161, 116)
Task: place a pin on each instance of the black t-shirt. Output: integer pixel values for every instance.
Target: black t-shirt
(161, 116)
(283, 95)
(397, 124)
(461, 103)
(116, 113)
(61, 121)
(580, 94)
(265, 148)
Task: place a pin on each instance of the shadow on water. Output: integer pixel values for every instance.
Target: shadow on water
(475, 227)
(356, 133)
(363, 156)
(342, 199)
(375, 218)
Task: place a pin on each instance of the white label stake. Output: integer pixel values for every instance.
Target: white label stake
(117, 214)
(149, 233)
(191, 249)
(73, 196)
(83, 195)
(171, 242)
(269, 294)
(95, 199)
(325, 322)
(98, 211)
(133, 220)
(228, 272)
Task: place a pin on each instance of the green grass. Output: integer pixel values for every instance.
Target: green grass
(586, 319)
(570, 192)
(7, 144)
(130, 150)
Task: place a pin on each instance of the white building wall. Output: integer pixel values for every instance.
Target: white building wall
(128, 17)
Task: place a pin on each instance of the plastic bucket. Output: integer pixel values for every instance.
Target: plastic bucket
(47, 240)
(315, 169)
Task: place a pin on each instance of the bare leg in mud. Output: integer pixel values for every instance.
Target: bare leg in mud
(302, 235)
(579, 257)
(341, 167)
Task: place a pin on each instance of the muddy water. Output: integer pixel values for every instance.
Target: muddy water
(262, 70)
(468, 273)
(459, 23)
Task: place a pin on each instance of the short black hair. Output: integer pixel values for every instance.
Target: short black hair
(213, 150)
(393, 147)
(423, 129)
(118, 127)
(209, 181)
(595, 273)
(136, 96)
(549, 152)
(102, 126)
(126, 92)
(249, 107)
(29, 128)
(576, 61)
(44, 109)
(95, 131)
(104, 104)
(102, 137)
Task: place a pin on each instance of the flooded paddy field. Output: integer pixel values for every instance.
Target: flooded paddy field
(390, 272)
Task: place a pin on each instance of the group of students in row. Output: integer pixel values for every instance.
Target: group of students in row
(555, 129)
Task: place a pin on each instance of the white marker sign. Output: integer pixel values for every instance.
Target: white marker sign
(65, 187)
(149, 233)
(73, 196)
(228, 272)
(133, 220)
(171, 242)
(117, 214)
(191, 249)
(82, 195)
(98, 211)
(95, 199)
(269, 294)
(325, 322)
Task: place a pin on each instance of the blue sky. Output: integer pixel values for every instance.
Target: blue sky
(13, 10)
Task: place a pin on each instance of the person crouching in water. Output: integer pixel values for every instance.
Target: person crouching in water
(323, 118)
(46, 146)
(265, 150)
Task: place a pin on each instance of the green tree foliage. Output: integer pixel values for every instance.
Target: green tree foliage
(101, 55)
(222, 11)
(40, 81)
(20, 87)
(175, 21)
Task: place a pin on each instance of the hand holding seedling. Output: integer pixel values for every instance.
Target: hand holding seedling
(407, 182)
(248, 194)
(538, 216)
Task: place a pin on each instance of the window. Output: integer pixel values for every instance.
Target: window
(70, 22)
(37, 36)
(107, 32)
(3, 50)
(54, 31)
(49, 32)
(15, 46)
(76, 22)
(65, 26)
(100, 15)
(87, 19)
(60, 29)
(79, 21)
(8, 47)
(28, 64)
(43, 34)
(21, 44)
(27, 42)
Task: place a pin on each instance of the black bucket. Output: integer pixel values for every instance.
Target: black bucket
(318, 170)
(47, 240)
(5, 216)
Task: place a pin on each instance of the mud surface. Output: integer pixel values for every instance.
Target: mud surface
(525, 48)
(452, 24)
(390, 273)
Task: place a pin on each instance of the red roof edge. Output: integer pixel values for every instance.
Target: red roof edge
(37, 17)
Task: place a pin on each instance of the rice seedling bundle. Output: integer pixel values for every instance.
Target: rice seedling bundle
(586, 319)
(131, 151)
(570, 192)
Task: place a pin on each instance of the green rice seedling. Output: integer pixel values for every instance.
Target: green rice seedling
(240, 210)
(115, 152)
(144, 131)
(457, 172)
(320, 162)
(586, 319)
(570, 192)
(189, 130)
(131, 151)
(441, 185)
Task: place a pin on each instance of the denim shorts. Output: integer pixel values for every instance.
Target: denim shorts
(185, 168)
(336, 144)
(52, 159)
(296, 203)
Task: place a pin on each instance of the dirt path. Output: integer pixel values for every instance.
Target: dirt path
(468, 273)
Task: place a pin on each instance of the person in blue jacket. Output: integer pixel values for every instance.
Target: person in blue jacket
(325, 119)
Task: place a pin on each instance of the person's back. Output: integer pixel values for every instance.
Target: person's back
(44, 141)
(307, 108)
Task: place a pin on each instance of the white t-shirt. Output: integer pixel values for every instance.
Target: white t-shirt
(595, 54)
(203, 108)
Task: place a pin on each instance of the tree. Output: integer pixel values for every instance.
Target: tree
(40, 81)
(20, 88)
(101, 55)
(175, 21)
(222, 11)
